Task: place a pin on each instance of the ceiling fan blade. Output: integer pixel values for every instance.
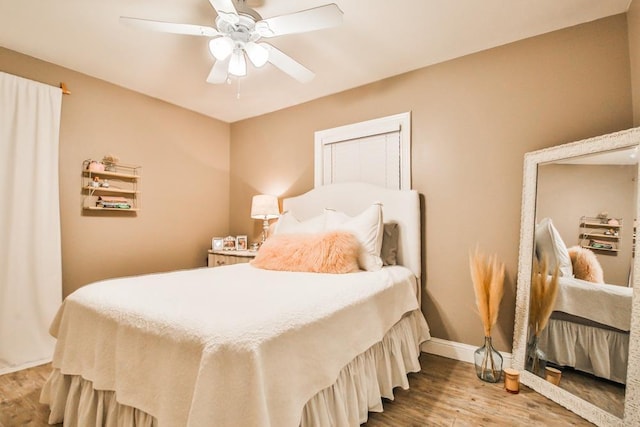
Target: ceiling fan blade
(219, 72)
(169, 27)
(226, 10)
(288, 65)
(258, 55)
(317, 18)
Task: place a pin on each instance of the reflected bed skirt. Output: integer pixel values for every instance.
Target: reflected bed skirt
(601, 352)
(359, 388)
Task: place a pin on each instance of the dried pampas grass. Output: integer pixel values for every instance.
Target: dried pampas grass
(487, 274)
(542, 297)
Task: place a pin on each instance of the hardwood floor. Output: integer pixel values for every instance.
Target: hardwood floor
(448, 393)
(445, 393)
(19, 398)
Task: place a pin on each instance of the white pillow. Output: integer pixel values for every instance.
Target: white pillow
(367, 227)
(549, 242)
(287, 224)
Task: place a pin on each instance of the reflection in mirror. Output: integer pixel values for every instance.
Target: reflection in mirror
(576, 322)
(585, 215)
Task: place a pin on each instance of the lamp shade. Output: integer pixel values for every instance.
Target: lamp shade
(264, 206)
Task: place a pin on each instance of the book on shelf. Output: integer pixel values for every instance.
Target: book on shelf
(599, 244)
(113, 202)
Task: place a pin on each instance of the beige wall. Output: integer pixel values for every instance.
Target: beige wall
(473, 119)
(185, 177)
(633, 21)
(568, 192)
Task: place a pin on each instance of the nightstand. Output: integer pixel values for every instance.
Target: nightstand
(218, 258)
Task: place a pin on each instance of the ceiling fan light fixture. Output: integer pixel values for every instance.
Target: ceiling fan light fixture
(221, 47)
(238, 64)
(257, 54)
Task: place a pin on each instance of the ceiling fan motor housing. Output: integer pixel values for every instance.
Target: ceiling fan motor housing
(241, 32)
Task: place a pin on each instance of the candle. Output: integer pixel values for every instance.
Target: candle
(552, 375)
(512, 380)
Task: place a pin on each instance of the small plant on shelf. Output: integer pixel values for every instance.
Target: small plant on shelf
(110, 162)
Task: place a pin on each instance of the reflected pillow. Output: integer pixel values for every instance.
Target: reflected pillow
(333, 252)
(549, 242)
(367, 227)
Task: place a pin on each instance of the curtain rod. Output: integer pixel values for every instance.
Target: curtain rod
(65, 90)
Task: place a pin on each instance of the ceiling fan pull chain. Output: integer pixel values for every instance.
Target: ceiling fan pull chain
(238, 88)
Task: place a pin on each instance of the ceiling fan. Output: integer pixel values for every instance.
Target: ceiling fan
(238, 31)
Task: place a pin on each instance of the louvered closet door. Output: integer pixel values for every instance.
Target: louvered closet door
(373, 159)
(375, 151)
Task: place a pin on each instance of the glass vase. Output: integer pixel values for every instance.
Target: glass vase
(536, 359)
(488, 362)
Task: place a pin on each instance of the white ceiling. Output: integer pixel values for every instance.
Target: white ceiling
(378, 39)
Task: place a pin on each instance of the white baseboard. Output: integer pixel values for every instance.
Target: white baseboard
(27, 365)
(457, 351)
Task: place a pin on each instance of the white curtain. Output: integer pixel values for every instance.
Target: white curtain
(30, 250)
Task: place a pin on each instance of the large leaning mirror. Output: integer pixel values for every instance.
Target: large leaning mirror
(576, 336)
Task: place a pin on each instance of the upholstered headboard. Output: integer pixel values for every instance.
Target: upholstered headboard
(399, 206)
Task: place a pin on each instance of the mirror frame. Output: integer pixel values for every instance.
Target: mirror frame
(587, 410)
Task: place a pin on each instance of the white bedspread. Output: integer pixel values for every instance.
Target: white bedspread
(226, 346)
(606, 304)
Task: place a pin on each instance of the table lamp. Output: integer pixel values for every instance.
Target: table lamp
(264, 207)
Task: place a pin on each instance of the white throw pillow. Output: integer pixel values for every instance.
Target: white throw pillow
(287, 224)
(549, 242)
(367, 227)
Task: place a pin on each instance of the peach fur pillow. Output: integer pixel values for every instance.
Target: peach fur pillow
(333, 252)
(586, 265)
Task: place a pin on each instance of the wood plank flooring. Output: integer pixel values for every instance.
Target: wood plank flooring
(445, 393)
(19, 398)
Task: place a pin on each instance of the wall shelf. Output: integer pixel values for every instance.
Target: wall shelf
(598, 235)
(121, 194)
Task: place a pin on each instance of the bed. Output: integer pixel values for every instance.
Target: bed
(589, 328)
(240, 345)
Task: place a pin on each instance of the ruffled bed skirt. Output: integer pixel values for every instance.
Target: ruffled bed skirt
(601, 352)
(360, 387)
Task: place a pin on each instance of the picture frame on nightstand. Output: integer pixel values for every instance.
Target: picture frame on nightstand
(229, 243)
(241, 243)
(217, 243)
